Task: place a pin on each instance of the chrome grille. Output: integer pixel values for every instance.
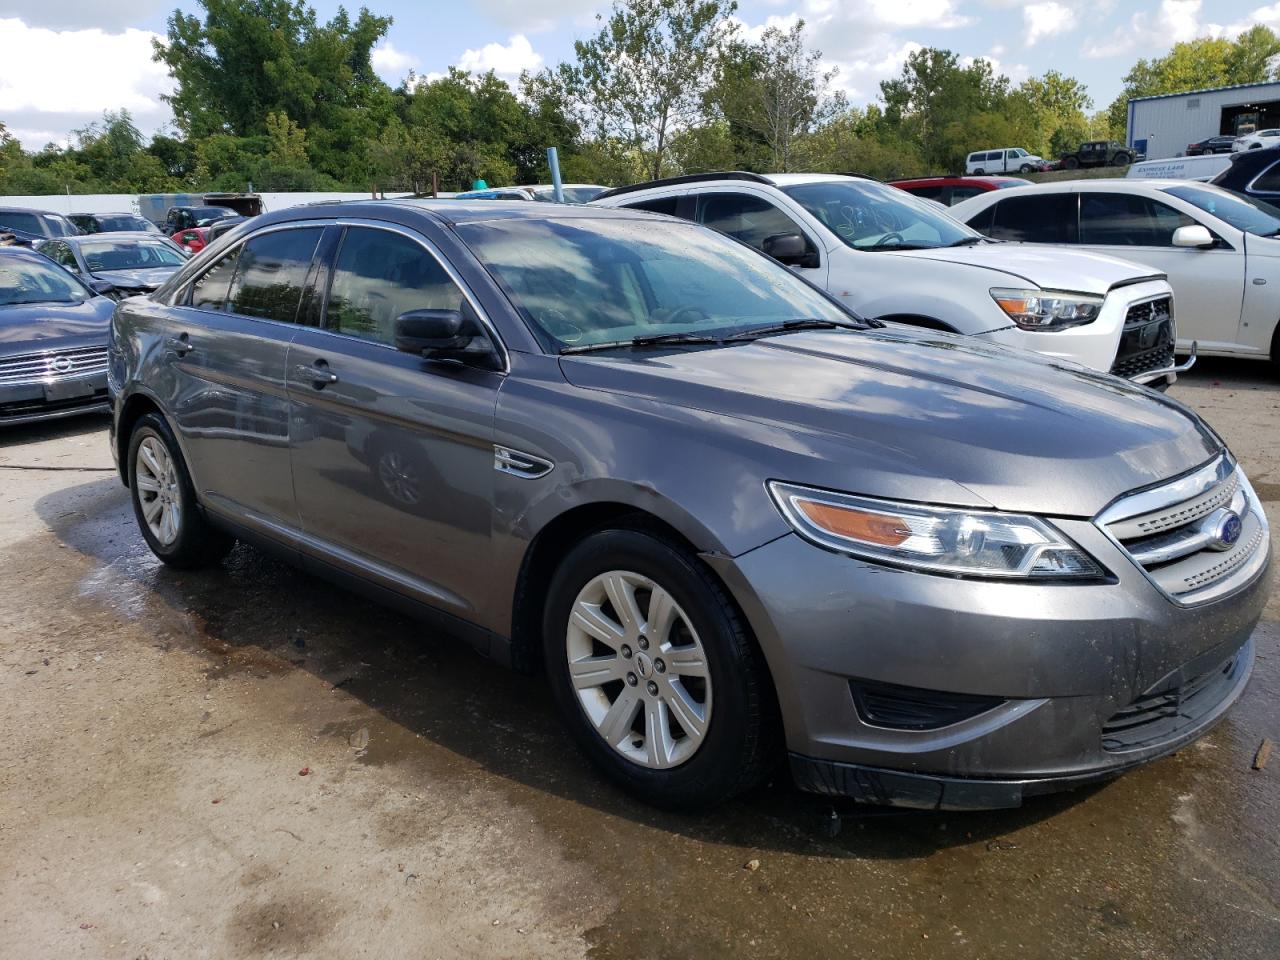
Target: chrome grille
(1175, 532)
(52, 365)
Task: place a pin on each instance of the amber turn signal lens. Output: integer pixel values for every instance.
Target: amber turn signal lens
(878, 528)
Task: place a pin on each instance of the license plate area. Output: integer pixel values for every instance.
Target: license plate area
(60, 390)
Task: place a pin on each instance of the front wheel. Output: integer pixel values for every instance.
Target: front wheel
(164, 499)
(1120, 160)
(654, 672)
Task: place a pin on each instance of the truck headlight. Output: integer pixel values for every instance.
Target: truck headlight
(974, 543)
(1046, 309)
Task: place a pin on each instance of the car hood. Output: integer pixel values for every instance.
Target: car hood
(147, 278)
(913, 414)
(1047, 267)
(28, 328)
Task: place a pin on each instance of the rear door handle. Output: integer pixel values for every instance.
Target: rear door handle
(318, 374)
(181, 345)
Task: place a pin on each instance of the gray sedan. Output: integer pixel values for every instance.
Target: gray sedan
(117, 264)
(731, 521)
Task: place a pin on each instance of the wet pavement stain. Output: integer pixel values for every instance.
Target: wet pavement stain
(1098, 873)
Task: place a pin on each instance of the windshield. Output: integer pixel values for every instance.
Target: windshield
(129, 255)
(585, 281)
(1242, 212)
(120, 224)
(27, 280)
(206, 215)
(871, 216)
(1019, 152)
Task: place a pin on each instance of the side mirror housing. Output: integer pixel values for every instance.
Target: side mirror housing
(444, 335)
(104, 287)
(791, 249)
(1193, 236)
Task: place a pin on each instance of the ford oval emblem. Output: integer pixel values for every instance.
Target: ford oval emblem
(1229, 529)
(60, 364)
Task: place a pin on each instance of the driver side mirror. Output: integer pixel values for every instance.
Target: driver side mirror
(1193, 236)
(104, 287)
(791, 249)
(444, 335)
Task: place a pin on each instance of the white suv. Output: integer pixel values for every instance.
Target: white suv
(894, 257)
(1004, 160)
(1219, 249)
(1256, 140)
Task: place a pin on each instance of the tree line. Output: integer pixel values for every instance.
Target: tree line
(267, 94)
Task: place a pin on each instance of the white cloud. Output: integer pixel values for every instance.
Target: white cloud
(1016, 72)
(81, 14)
(35, 98)
(1175, 22)
(506, 61)
(753, 34)
(537, 17)
(391, 64)
(1047, 19)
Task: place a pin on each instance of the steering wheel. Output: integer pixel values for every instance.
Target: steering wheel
(892, 235)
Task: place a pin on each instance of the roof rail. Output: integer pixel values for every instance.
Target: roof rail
(686, 178)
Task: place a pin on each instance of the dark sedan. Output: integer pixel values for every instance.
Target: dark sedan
(1210, 145)
(1254, 173)
(29, 226)
(112, 223)
(118, 264)
(53, 340)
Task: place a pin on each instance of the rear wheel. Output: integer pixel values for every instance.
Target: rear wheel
(979, 172)
(164, 499)
(1071, 163)
(654, 672)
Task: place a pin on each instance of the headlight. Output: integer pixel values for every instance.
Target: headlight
(1046, 310)
(933, 539)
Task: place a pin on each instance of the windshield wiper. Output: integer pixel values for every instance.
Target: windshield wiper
(791, 326)
(967, 241)
(649, 340)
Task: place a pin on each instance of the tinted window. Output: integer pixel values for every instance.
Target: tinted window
(26, 222)
(665, 205)
(60, 226)
(751, 219)
(1048, 218)
(60, 253)
(209, 292)
(380, 275)
(1121, 219)
(964, 193)
(1269, 180)
(930, 193)
(981, 221)
(996, 155)
(272, 272)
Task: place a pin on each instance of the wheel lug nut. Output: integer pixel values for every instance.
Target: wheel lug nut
(644, 643)
(660, 666)
(652, 688)
(626, 650)
(632, 679)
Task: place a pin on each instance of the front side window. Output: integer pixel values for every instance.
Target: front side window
(272, 272)
(379, 275)
(26, 280)
(867, 215)
(585, 282)
(209, 291)
(61, 254)
(1241, 211)
(1045, 218)
(750, 219)
(1122, 219)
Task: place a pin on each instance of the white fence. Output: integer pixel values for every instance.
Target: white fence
(128, 202)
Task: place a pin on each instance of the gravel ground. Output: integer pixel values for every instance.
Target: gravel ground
(248, 763)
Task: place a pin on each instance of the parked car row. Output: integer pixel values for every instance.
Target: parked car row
(731, 520)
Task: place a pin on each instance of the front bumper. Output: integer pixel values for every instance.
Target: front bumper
(30, 402)
(1060, 661)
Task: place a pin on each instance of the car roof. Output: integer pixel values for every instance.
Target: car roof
(113, 236)
(454, 211)
(105, 213)
(52, 213)
(949, 180)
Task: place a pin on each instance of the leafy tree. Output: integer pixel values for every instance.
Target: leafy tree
(643, 76)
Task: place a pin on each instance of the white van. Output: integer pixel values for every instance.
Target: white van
(1181, 168)
(1004, 160)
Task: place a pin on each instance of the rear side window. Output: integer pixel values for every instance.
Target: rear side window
(1047, 218)
(964, 193)
(209, 291)
(1269, 180)
(272, 272)
(379, 275)
(665, 205)
(929, 193)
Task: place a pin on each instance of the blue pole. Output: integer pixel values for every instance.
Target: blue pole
(553, 161)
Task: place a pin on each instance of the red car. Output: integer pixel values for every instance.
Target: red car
(193, 238)
(951, 190)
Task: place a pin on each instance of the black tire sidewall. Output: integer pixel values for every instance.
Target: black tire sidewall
(714, 772)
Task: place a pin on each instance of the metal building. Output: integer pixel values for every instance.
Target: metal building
(1162, 126)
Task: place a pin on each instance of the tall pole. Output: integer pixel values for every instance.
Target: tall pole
(553, 161)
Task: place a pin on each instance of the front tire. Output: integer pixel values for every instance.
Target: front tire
(1120, 160)
(164, 500)
(654, 672)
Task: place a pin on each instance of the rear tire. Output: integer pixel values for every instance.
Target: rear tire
(667, 694)
(979, 172)
(164, 500)
(1071, 163)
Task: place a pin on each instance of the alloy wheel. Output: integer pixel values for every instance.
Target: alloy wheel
(156, 480)
(398, 478)
(639, 669)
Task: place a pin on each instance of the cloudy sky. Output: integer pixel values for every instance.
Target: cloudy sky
(68, 60)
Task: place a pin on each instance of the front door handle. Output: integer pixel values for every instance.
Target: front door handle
(181, 345)
(318, 374)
